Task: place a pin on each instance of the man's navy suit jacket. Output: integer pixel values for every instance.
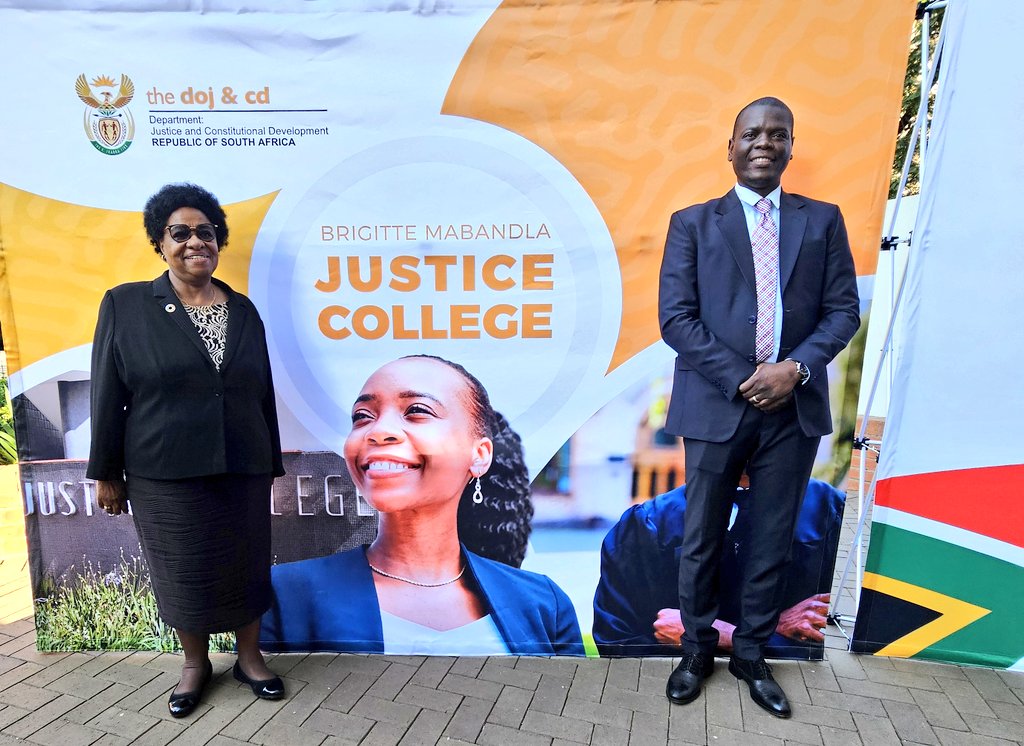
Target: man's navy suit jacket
(708, 309)
(329, 603)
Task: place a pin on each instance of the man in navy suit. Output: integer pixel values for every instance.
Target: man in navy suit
(758, 293)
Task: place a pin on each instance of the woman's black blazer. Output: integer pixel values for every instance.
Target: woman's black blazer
(160, 408)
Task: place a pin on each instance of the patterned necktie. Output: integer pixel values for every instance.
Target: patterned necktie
(765, 245)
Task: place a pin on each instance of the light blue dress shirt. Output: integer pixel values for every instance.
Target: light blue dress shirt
(749, 198)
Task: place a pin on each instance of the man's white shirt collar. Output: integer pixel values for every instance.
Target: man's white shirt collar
(750, 197)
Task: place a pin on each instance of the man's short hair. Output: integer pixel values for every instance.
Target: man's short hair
(777, 103)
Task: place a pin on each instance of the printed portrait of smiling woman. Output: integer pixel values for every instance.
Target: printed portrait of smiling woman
(421, 452)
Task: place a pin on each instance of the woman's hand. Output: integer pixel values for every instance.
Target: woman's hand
(112, 496)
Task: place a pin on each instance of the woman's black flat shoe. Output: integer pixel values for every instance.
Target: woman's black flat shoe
(183, 703)
(266, 689)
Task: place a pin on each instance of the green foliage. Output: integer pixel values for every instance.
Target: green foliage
(911, 103)
(8, 449)
(845, 395)
(111, 611)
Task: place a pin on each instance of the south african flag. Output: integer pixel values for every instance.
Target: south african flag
(944, 576)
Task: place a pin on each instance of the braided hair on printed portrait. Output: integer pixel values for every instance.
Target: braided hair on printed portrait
(499, 527)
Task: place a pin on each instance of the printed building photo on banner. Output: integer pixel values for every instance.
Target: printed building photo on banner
(450, 225)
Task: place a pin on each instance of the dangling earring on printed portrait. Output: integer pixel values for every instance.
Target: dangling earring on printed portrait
(478, 493)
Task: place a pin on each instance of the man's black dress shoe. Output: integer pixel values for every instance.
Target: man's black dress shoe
(764, 690)
(183, 703)
(266, 689)
(684, 683)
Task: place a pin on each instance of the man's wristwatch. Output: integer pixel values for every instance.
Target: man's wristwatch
(803, 370)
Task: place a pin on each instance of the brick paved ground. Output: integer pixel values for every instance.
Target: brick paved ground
(119, 698)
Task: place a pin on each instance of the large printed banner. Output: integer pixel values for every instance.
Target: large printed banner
(489, 182)
(946, 564)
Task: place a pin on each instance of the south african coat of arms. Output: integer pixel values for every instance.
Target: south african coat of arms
(109, 124)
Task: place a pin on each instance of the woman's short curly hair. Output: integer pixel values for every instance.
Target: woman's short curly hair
(499, 527)
(172, 197)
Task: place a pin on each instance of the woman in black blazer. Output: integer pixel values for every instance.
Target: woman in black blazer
(184, 427)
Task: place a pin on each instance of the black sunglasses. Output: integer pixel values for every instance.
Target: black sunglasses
(182, 233)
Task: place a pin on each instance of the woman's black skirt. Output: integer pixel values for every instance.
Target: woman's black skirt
(207, 543)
